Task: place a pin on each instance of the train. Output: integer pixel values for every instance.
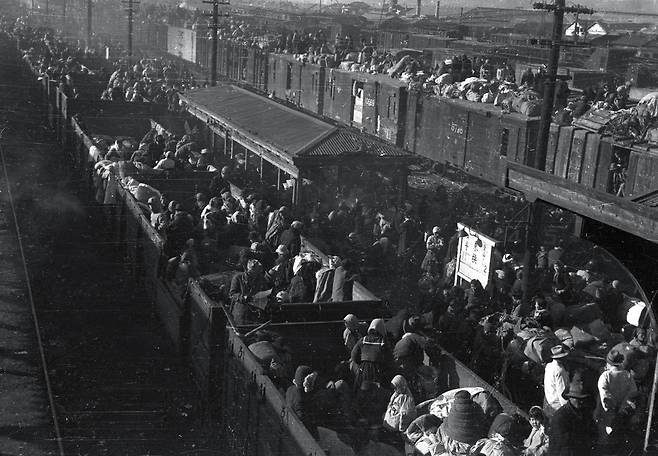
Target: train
(478, 138)
(233, 384)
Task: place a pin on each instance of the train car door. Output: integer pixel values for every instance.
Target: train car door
(456, 132)
(358, 98)
(483, 151)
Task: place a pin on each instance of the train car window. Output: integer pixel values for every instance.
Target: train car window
(274, 71)
(504, 141)
(388, 108)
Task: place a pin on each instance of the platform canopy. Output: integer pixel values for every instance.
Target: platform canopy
(285, 137)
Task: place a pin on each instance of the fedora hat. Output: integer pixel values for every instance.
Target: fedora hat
(576, 389)
(559, 351)
(614, 358)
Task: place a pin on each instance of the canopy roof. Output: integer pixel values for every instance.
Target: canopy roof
(284, 136)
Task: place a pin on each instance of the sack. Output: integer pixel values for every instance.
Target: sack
(538, 348)
(530, 108)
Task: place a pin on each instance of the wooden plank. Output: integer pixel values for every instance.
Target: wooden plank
(590, 160)
(552, 148)
(603, 165)
(577, 154)
(645, 175)
(620, 213)
(563, 152)
(632, 174)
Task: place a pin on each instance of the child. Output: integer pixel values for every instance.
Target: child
(537, 442)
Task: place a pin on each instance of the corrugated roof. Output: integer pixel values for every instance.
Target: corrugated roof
(269, 122)
(344, 142)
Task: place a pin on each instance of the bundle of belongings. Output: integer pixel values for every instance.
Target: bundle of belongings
(505, 94)
(637, 123)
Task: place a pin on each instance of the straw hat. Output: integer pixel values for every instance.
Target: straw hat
(465, 420)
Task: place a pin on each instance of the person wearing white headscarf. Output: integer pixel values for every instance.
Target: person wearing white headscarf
(401, 409)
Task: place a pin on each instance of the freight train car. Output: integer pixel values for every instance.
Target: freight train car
(375, 103)
(476, 137)
(297, 82)
(591, 159)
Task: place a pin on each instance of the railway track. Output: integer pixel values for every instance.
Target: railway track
(115, 385)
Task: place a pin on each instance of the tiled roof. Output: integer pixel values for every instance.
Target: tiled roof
(344, 142)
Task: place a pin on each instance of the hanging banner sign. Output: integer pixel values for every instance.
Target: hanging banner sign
(474, 256)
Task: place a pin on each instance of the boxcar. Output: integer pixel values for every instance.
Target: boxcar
(374, 103)
(476, 137)
(584, 157)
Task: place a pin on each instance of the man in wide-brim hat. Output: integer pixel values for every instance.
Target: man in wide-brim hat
(615, 385)
(556, 379)
(572, 431)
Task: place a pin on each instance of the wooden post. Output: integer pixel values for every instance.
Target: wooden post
(262, 163)
(278, 179)
(652, 404)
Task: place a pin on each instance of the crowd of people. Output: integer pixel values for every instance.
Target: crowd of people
(150, 80)
(385, 377)
(382, 394)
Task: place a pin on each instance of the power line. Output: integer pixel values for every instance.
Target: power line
(130, 9)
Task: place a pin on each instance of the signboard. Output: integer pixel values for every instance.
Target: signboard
(181, 42)
(474, 256)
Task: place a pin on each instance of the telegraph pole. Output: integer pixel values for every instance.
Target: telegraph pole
(558, 9)
(89, 23)
(535, 209)
(63, 16)
(130, 9)
(214, 28)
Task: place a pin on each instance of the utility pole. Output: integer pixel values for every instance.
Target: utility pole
(89, 34)
(214, 28)
(558, 9)
(130, 9)
(535, 210)
(63, 16)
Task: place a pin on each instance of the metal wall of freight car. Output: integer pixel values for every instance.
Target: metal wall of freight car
(311, 82)
(338, 96)
(255, 417)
